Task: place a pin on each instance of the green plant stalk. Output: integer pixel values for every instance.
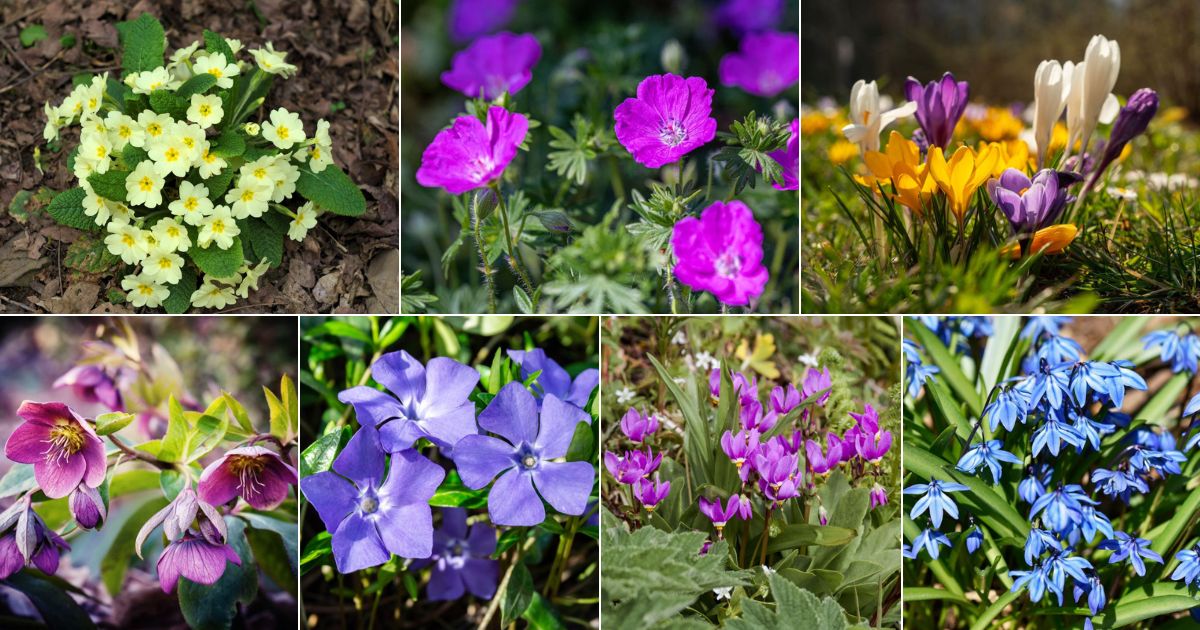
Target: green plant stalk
(486, 267)
(238, 114)
(513, 257)
(494, 605)
(560, 561)
(766, 537)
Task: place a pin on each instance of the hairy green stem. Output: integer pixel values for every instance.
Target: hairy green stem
(513, 257)
(485, 266)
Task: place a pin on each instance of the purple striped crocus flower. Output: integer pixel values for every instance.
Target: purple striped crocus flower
(940, 104)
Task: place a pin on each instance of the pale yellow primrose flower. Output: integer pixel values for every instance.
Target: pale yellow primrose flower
(98, 207)
(305, 220)
(144, 291)
(216, 65)
(128, 242)
(248, 198)
(219, 227)
(205, 110)
(285, 129)
(154, 126)
(320, 153)
(123, 130)
(170, 155)
(193, 204)
(210, 295)
(209, 164)
(150, 80)
(170, 235)
(193, 139)
(95, 149)
(163, 265)
(250, 281)
(144, 185)
(286, 176)
(54, 122)
(272, 61)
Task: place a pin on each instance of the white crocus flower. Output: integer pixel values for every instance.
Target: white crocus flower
(1051, 87)
(866, 120)
(1091, 100)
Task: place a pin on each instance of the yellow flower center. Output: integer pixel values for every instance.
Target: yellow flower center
(218, 226)
(216, 72)
(260, 172)
(101, 152)
(189, 142)
(68, 437)
(124, 131)
(205, 111)
(128, 241)
(171, 154)
(154, 129)
(146, 290)
(282, 132)
(247, 195)
(146, 184)
(191, 204)
(165, 263)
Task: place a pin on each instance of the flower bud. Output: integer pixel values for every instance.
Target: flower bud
(673, 57)
(87, 507)
(251, 128)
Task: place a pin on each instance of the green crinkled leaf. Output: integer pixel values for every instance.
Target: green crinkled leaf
(198, 84)
(143, 42)
(180, 298)
(265, 241)
(332, 191)
(229, 144)
(166, 102)
(214, 43)
(794, 608)
(217, 262)
(110, 185)
(89, 254)
(214, 607)
(67, 209)
(132, 156)
(218, 184)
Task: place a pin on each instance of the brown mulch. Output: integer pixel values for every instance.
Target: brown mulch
(348, 58)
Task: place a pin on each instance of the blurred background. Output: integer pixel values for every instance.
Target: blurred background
(996, 45)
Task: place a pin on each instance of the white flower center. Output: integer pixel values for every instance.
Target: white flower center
(673, 133)
(728, 264)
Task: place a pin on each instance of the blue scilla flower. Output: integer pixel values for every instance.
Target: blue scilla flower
(1094, 522)
(1034, 483)
(1126, 547)
(1038, 542)
(1106, 380)
(1053, 434)
(1118, 483)
(1192, 441)
(1043, 325)
(1090, 431)
(976, 326)
(917, 374)
(1155, 452)
(974, 540)
(1057, 349)
(1050, 382)
(942, 327)
(1037, 581)
(929, 541)
(1010, 406)
(990, 454)
(1062, 508)
(1188, 570)
(1192, 406)
(1181, 350)
(1094, 590)
(1126, 378)
(935, 500)
(1063, 564)
(907, 551)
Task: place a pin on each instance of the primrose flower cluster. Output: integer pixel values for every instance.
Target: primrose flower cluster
(375, 500)
(169, 166)
(720, 251)
(69, 460)
(1029, 177)
(1060, 405)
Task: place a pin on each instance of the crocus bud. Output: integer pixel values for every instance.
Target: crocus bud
(940, 104)
(87, 507)
(1131, 123)
(1051, 85)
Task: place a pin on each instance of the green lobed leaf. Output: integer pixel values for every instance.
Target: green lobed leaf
(143, 44)
(110, 185)
(794, 608)
(331, 190)
(67, 209)
(217, 262)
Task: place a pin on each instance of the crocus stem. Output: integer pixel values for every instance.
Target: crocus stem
(513, 257)
(485, 265)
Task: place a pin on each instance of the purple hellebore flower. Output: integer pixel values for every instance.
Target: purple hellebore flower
(87, 506)
(554, 379)
(372, 518)
(755, 417)
(462, 559)
(740, 447)
(92, 384)
(1029, 204)
(789, 158)
(736, 506)
(765, 64)
(1131, 122)
(748, 16)
(669, 118)
(493, 65)
(814, 382)
(651, 493)
(39, 546)
(637, 426)
(426, 401)
(179, 515)
(822, 463)
(783, 401)
(63, 448)
(522, 459)
(721, 252)
(196, 558)
(468, 19)
(879, 496)
(635, 465)
(471, 155)
(939, 106)
(258, 475)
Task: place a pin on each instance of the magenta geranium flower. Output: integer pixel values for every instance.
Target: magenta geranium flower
(469, 19)
(493, 65)
(764, 65)
(789, 159)
(196, 558)
(721, 252)
(63, 448)
(258, 475)
(470, 155)
(669, 118)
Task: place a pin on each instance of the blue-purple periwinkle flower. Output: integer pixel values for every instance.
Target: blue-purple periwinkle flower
(87, 506)
(426, 401)
(637, 426)
(1029, 204)
(195, 557)
(651, 493)
(935, 500)
(785, 400)
(523, 458)
(554, 379)
(257, 474)
(633, 466)
(92, 383)
(939, 106)
(38, 546)
(461, 559)
(879, 496)
(372, 517)
(1131, 122)
(739, 447)
(737, 506)
(1131, 548)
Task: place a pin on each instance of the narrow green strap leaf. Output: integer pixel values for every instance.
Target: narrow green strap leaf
(984, 501)
(949, 365)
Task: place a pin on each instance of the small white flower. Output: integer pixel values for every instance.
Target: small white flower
(706, 361)
(624, 395)
(723, 592)
(1128, 194)
(768, 570)
(680, 339)
(809, 359)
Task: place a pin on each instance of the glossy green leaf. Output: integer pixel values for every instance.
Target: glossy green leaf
(112, 422)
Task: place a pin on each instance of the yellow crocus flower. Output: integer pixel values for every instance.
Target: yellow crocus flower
(962, 175)
(1053, 239)
(901, 165)
(1012, 154)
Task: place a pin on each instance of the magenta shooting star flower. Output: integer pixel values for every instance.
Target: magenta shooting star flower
(424, 401)
(756, 417)
(816, 381)
(823, 463)
(257, 474)
(461, 559)
(879, 496)
(789, 158)
(92, 383)
(651, 493)
(765, 64)
(468, 19)
(670, 117)
(633, 466)
(554, 379)
(470, 154)
(748, 16)
(38, 545)
(736, 506)
(63, 448)
(521, 459)
(371, 517)
(721, 252)
(785, 400)
(940, 104)
(493, 65)
(739, 447)
(638, 426)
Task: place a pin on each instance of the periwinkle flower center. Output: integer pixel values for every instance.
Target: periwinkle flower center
(673, 133)
(368, 501)
(67, 438)
(728, 264)
(527, 458)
